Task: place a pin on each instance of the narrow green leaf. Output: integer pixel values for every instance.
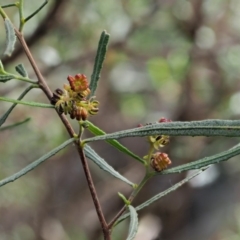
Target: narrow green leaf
(213, 127)
(9, 5)
(6, 114)
(206, 161)
(33, 165)
(97, 131)
(1, 67)
(5, 78)
(101, 53)
(160, 195)
(11, 37)
(92, 155)
(133, 223)
(124, 199)
(21, 70)
(38, 10)
(15, 124)
(33, 104)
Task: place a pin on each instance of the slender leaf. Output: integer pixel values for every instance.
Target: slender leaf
(133, 227)
(213, 127)
(4, 78)
(5, 115)
(101, 53)
(21, 70)
(97, 131)
(33, 104)
(206, 161)
(1, 67)
(11, 37)
(124, 199)
(33, 165)
(92, 155)
(160, 195)
(15, 124)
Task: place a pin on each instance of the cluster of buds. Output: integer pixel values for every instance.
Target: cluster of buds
(159, 161)
(73, 100)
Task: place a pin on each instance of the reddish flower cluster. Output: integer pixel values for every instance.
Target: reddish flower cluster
(73, 99)
(160, 161)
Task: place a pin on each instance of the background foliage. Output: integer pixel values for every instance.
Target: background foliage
(178, 59)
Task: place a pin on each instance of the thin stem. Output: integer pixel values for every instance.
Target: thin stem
(33, 104)
(34, 13)
(21, 78)
(2, 13)
(81, 129)
(21, 18)
(43, 85)
(130, 199)
(9, 5)
(94, 194)
(147, 176)
(149, 155)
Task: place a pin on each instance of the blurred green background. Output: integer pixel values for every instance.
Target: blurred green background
(177, 59)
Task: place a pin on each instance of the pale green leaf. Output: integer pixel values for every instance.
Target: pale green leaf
(213, 127)
(6, 114)
(11, 37)
(92, 155)
(15, 124)
(100, 56)
(160, 195)
(133, 227)
(97, 131)
(34, 164)
(217, 158)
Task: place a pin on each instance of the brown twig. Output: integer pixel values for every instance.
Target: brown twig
(43, 85)
(118, 215)
(105, 229)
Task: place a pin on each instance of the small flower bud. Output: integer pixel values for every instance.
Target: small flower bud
(59, 91)
(81, 113)
(161, 120)
(160, 161)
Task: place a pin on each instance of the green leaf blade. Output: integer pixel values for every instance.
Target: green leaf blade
(15, 124)
(11, 37)
(133, 227)
(6, 114)
(213, 127)
(206, 161)
(5, 78)
(97, 131)
(100, 56)
(92, 155)
(35, 164)
(21, 70)
(160, 195)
